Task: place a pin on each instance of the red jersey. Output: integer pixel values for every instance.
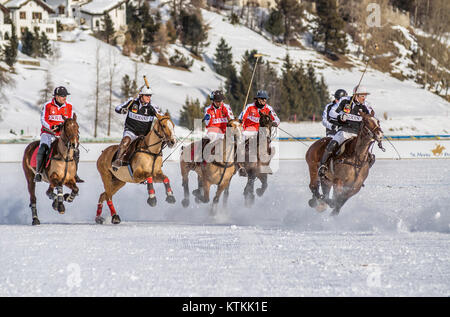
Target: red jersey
(219, 118)
(52, 115)
(250, 116)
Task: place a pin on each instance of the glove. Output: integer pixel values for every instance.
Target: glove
(333, 127)
(343, 117)
(274, 124)
(123, 110)
(207, 117)
(57, 127)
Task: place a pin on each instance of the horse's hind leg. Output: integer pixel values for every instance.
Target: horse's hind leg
(263, 178)
(226, 193)
(220, 189)
(32, 192)
(199, 191)
(111, 185)
(185, 177)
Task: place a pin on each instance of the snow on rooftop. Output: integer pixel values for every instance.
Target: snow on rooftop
(100, 6)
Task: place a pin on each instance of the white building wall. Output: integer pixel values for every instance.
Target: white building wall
(117, 15)
(23, 18)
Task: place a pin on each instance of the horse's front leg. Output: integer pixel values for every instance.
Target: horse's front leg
(263, 178)
(71, 185)
(340, 196)
(160, 177)
(226, 194)
(249, 189)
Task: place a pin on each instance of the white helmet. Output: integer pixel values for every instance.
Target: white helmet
(360, 90)
(146, 91)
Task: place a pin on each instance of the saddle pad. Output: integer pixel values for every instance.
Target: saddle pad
(123, 174)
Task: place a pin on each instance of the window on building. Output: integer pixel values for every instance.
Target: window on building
(97, 23)
(49, 30)
(61, 9)
(37, 15)
(22, 15)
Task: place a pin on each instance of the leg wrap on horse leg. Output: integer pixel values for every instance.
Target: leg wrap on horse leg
(167, 185)
(60, 194)
(99, 209)
(150, 188)
(111, 207)
(33, 210)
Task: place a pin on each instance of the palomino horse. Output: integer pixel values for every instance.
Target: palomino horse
(348, 171)
(254, 165)
(60, 171)
(217, 172)
(144, 166)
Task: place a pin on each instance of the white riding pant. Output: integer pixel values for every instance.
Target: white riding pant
(249, 133)
(47, 139)
(341, 136)
(213, 136)
(129, 134)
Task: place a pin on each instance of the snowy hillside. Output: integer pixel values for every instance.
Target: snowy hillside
(409, 109)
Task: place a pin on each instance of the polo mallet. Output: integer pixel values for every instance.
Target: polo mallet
(251, 80)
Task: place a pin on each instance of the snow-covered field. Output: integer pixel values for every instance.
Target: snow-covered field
(390, 240)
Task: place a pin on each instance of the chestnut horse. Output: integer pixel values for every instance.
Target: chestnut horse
(348, 171)
(59, 172)
(217, 172)
(255, 166)
(145, 165)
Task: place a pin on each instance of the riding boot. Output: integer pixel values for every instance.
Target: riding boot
(371, 159)
(40, 159)
(331, 147)
(76, 157)
(121, 152)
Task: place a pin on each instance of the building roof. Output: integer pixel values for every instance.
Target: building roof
(4, 9)
(16, 4)
(100, 7)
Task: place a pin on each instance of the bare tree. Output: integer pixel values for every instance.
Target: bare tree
(97, 87)
(113, 61)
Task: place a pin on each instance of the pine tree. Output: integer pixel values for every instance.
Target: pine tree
(108, 28)
(36, 44)
(27, 42)
(191, 110)
(193, 33)
(330, 26)
(223, 59)
(274, 24)
(125, 88)
(45, 48)
(292, 12)
(10, 49)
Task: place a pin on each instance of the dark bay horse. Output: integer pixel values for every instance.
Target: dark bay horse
(59, 172)
(217, 172)
(348, 171)
(145, 163)
(255, 164)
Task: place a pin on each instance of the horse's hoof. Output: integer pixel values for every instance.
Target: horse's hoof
(36, 222)
(249, 200)
(197, 201)
(115, 220)
(100, 220)
(55, 205)
(61, 209)
(185, 203)
(170, 199)
(334, 213)
(312, 203)
(321, 207)
(151, 201)
(259, 192)
(196, 192)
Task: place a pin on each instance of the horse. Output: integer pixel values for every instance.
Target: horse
(254, 166)
(144, 156)
(216, 172)
(347, 171)
(58, 171)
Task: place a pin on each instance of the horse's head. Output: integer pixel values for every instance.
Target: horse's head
(70, 131)
(166, 129)
(370, 127)
(234, 128)
(265, 120)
